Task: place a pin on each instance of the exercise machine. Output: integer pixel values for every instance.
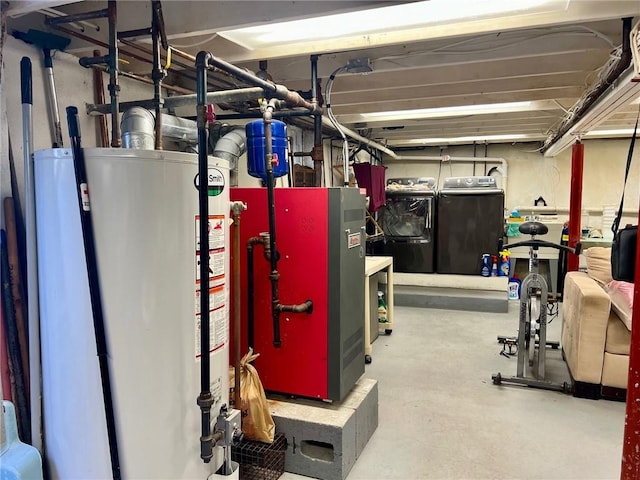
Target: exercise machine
(531, 343)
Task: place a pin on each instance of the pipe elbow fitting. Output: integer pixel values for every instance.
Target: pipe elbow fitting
(306, 307)
(202, 59)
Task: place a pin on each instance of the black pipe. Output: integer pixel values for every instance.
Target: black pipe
(317, 154)
(205, 399)
(114, 87)
(87, 62)
(157, 74)
(274, 276)
(140, 32)
(623, 64)
(91, 260)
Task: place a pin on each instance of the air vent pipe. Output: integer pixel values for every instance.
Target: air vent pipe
(138, 129)
(231, 146)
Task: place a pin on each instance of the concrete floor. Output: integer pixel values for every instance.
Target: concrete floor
(441, 416)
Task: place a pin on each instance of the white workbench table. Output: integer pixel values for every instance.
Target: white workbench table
(373, 265)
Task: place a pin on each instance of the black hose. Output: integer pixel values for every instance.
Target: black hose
(91, 259)
(205, 399)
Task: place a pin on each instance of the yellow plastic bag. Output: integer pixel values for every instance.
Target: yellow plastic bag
(257, 423)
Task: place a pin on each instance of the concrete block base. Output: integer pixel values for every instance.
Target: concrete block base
(325, 439)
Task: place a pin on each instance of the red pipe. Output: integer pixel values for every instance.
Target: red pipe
(575, 202)
(630, 453)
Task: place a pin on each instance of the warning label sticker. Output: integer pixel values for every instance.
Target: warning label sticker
(218, 325)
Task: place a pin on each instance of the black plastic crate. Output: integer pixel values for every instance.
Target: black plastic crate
(260, 461)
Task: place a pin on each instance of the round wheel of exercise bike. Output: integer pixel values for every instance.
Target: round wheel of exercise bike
(367, 359)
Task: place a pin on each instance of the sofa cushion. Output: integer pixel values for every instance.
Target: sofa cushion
(599, 264)
(618, 336)
(615, 370)
(621, 294)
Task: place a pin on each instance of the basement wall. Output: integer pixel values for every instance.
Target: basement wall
(531, 175)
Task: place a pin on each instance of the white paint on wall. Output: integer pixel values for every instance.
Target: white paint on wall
(74, 86)
(530, 175)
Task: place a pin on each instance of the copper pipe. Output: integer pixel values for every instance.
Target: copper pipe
(100, 43)
(179, 53)
(133, 76)
(102, 130)
(236, 208)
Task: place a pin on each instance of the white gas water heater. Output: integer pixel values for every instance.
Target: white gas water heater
(145, 214)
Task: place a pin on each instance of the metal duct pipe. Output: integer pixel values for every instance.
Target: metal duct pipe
(231, 146)
(138, 129)
(138, 125)
(625, 61)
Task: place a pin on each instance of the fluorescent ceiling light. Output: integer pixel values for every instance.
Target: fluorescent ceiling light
(619, 132)
(443, 112)
(624, 91)
(515, 137)
(384, 19)
(527, 137)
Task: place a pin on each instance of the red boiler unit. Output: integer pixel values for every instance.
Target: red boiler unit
(320, 242)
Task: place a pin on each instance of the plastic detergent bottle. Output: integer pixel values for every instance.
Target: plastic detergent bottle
(494, 266)
(503, 270)
(486, 265)
(514, 288)
(382, 308)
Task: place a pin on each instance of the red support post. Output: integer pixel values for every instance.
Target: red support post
(631, 444)
(575, 202)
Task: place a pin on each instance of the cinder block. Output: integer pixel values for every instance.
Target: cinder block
(364, 400)
(321, 442)
(325, 439)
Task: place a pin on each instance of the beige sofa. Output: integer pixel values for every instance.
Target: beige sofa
(596, 323)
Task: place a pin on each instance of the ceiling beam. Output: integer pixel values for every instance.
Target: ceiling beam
(351, 114)
(492, 69)
(407, 90)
